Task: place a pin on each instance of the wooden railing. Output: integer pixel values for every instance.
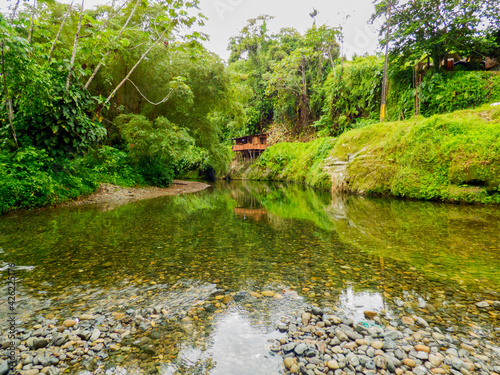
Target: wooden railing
(249, 146)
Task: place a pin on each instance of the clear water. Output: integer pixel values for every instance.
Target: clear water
(177, 253)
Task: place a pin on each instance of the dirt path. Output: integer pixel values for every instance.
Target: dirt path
(109, 193)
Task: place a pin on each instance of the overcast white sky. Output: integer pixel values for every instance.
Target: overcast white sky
(227, 17)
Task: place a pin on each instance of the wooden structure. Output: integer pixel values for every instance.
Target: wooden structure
(250, 146)
(256, 214)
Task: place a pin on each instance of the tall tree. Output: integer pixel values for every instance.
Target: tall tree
(436, 27)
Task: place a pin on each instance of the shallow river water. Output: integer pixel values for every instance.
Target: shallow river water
(223, 266)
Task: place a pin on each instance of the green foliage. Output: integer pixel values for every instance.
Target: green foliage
(45, 113)
(25, 179)
(353, 92)
(452, 157)
(298, 162)
(285, 72)
(31, 178)
(160, 149)
(441, 92)
(436, 27)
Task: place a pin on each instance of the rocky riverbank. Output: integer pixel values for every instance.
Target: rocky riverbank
(325, 342)
(317, 342)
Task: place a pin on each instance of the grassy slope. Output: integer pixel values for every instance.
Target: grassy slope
(297, 162)
(452, 157)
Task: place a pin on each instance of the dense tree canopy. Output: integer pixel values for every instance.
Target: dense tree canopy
(438, 27)
(285, 72)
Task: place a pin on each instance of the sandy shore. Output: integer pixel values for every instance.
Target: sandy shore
(109, 193)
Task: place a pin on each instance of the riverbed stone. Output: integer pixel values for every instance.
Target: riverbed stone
(380, 362)
(457, 363)
(435, 360)
(289, 362)
(4, 367)
(483, 304)
(40, 343)
(333, 364)
(300, 348)
(409, 362)
(377, 344)
(69, 323)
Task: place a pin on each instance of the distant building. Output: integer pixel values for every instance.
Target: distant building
(251, 146)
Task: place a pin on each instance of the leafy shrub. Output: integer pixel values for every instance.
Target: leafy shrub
(353, 92)
(47, 115)
(25, 179)
(161, 149)
(441, 92)
(31, 178)
(155, 172)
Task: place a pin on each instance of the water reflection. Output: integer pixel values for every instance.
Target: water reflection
(226, 265)
(354, 304)
(246, 342)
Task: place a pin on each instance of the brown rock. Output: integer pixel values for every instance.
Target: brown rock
(351, 345)
(69, 323)
(407, 321)
(119, 316)
(294, 369)
(370, 314)
(438, 370)
(305, 318)
(289, 362)
(377, 344)
(361, 342)
(86, 317)
(409, 362)
(227, 299)
(268, 293)
(422, 348)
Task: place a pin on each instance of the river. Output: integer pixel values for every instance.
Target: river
(220, 268)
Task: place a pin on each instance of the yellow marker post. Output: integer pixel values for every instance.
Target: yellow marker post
(382, 113)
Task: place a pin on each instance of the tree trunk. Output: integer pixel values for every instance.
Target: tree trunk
(75, 45)
(133, 68)
(14, 12)
(30, 31)
(59, 32)
(94, 73)
(8, 100)
(304, 100)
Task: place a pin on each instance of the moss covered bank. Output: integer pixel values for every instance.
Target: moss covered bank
(452, 157)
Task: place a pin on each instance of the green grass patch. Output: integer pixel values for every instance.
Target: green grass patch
(297, 162)
(452, 157)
